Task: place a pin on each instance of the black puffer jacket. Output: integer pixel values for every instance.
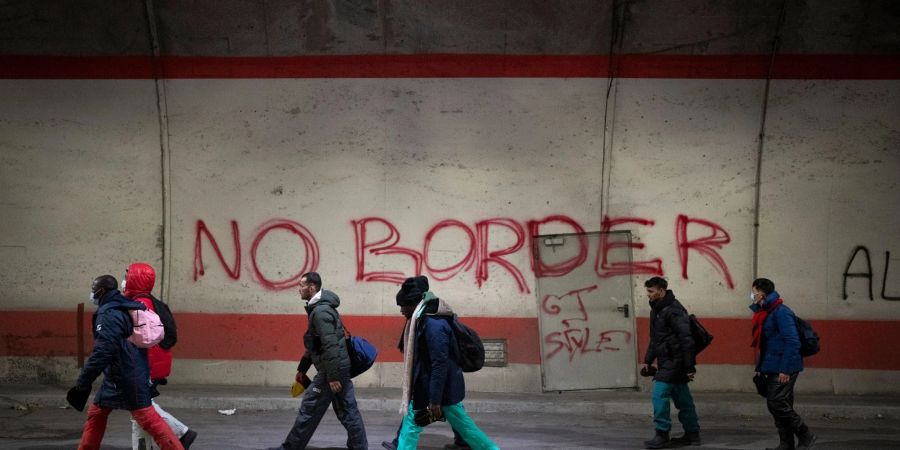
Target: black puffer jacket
(671, 343)
(326, 346)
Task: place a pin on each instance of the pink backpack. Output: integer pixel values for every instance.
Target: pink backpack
(148, 329)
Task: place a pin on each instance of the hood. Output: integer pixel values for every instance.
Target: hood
(327, 298)
(139, 279)
(663, 302)
(436, 306)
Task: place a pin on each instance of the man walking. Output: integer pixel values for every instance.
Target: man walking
(672, 346)
(326, 348)
(126, 377)
(778, 344)
(433, 386)
(137, 286)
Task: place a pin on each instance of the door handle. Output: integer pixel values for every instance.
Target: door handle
(623, 309)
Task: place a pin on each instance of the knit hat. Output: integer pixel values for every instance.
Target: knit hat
(410, 293)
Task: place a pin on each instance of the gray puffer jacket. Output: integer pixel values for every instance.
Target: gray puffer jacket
(326, 346)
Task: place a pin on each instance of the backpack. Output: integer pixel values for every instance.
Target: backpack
(147, 329)
(168, 321)
(809, 339)
(702, 338)
(468, 346)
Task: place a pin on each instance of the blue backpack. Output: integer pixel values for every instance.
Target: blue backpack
(362, 354)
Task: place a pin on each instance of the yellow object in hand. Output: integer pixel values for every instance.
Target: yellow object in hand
(297, 389)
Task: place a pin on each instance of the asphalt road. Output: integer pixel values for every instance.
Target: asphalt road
(52, 428)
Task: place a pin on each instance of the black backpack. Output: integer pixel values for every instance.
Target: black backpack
(809, 339)
(702, 338)
(468, 345)
(168, 321)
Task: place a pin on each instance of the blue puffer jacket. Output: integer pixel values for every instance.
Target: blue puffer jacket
(779, 343)
(126, 373)
(437, 377)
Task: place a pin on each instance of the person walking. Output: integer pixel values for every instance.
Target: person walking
(672, 346)
(137, 286)
(126, 375)
(326, 349)
(433, 386)
(777, 345)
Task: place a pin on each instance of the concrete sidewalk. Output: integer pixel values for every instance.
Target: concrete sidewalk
(386, 399)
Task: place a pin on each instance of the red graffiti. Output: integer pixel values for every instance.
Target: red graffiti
(605, 269)
(309, 244)
(705, 245)
(311, 252)
(543, 270)
(577, 341)
(378, 237)
(233, 272)
(556, 309)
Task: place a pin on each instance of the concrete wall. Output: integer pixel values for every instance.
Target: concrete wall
(231, 187)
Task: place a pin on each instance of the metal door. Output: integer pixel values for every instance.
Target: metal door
(586, 320)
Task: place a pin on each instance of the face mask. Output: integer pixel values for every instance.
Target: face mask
(752, 298)
(93, 298)
(123, 284)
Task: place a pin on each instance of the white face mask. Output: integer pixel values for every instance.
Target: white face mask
(123, 284)
(93, 298)
(752, 298)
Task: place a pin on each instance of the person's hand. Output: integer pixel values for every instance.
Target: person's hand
(690, 375)
(783, 378)
(436, 411)
(335, 386)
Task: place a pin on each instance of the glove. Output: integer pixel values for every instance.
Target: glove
(77, 396)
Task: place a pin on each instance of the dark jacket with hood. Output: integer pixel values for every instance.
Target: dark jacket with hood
(671, 343)
(437, 377)
(326, 346)
(780, 343)
(126, 375)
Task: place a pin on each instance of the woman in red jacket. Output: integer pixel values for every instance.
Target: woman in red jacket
(139, 281)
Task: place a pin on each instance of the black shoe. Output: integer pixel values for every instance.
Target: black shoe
(389, 445)
(688, 438)
(455, 446)
(188, 438)
(806, 440)
(782, 446)
(661, 440)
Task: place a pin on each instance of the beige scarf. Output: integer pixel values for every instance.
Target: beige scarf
(408, 348)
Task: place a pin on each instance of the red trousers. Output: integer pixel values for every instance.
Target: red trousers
(147, 418)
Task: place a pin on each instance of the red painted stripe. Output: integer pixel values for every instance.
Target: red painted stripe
(846, 344)
(844, 67)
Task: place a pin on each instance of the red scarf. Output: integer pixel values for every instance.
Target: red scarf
(759, 317)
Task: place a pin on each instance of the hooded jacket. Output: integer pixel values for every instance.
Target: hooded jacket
(671, 343)
(126, 376)
(437, 377)
(779, 343)
(139, 280)
(326, 345)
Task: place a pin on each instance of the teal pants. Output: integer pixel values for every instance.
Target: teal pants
(679, 394)
(459, 420)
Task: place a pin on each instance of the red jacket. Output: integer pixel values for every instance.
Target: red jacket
(140, 279)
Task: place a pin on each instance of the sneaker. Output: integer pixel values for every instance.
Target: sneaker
(188, 438)
(389, 445)
(660, 440)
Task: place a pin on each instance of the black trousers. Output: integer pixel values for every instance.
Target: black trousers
(780, 401)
